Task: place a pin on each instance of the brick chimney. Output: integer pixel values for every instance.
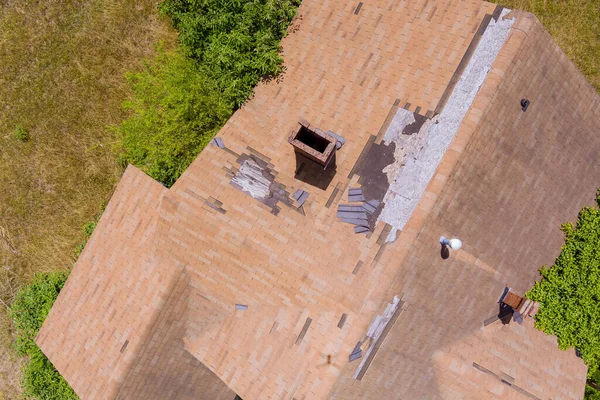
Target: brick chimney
(313, 143)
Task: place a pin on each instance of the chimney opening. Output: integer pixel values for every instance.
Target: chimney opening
(312, 140)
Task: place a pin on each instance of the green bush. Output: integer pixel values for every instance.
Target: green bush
(21, 134)
(176, 111)
(182, 98)
(29, 310)
(235, 42)
(569, 291)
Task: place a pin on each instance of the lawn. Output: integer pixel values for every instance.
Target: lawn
(61, 86)
(574, 25)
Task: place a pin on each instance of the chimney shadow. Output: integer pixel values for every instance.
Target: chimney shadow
(314, 174)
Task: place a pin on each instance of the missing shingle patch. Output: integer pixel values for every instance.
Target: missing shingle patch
(304, 330)
(342, 321)
(124, 347)
(357, 267)
(358, 7)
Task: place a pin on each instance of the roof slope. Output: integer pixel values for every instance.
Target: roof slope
(311, 286)
(509, 181)
(86, 329)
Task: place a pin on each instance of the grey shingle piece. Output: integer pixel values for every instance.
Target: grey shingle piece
(352, 214)
(302, 198)
(241, 307)
(340, 139)
(353, 221)
(349, 207)
(369, 208)
(356, 353)
(373, 203)
(218, 142)
(355, 191)
(356, 198)
(297, 194)
(361, 229)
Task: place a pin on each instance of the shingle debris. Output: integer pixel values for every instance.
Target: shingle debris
(218, 142)
(242, 307)
(355, 195)
(355, 214)
(340, 139)
(300, 196)
(356, 353)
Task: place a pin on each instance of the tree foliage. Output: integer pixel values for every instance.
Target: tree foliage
(236, 42)
(176, 111)
(569, 291)
(183, 97)
(29, 309)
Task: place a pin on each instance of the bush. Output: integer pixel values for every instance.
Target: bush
(236, 42)
(29, 310)
(176, 111)
(182, 98)
(21, 134)
(569, 292)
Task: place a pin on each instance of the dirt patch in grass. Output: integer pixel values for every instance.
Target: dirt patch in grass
(61, 82)
(574, 25)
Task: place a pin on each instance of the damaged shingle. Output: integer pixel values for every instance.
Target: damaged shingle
(361, 229)
(350, 207)
(218, 142)
(356, 353)
(300, 196)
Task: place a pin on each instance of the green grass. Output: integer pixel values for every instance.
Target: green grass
(62, 82)
(574, 25)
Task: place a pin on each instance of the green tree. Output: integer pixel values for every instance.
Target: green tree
(29, 310)
(569, 291)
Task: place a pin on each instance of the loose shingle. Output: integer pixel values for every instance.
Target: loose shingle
(353, 221)
(218, 142)
(356, 198)
(355, 191)
(373, 203)
(361, 229)
(302, 198)
(352, 214)
(297, 194)
(356, 353)
(241, 307)
(369, 208)
(349, 207)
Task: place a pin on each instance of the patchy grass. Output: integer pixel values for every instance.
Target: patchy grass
(574, 25)
(61, 82)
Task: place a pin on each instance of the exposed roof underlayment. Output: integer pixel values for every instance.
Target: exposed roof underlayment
(418, 155)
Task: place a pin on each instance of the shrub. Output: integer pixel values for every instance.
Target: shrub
(21, 134)
(236, 42)
(569, 291)
(29, 310)
(182, 98)
(176, 111)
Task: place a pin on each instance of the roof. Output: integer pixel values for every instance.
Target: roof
(216, 280)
